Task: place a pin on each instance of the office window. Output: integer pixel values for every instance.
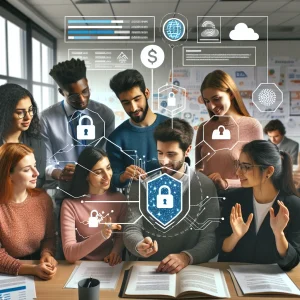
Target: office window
(3, 65)
(2, 81)
(27, 53)
(16, 51)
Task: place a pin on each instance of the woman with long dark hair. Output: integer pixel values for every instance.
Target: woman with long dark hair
(19, 123)
(214, 154)
(26, 216)
(88, 219)
(261, 219)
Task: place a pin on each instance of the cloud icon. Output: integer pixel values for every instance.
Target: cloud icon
(242, 32)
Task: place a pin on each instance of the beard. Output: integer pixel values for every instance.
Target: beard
(138, 119)
(172, 168)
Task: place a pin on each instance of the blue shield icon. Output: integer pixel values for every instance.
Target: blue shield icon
(164, 199)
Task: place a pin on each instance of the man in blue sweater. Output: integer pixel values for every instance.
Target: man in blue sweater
(132, 150)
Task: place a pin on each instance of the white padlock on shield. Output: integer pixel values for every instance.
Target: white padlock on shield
(85, 132)
(93, 220)
(164, 200)
(221, 133)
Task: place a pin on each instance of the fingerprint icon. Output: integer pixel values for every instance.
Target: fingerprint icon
(267, 97)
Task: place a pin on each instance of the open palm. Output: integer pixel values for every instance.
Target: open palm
(279, 222)
(239, 227)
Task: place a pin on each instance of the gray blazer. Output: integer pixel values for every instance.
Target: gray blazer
(291, 147)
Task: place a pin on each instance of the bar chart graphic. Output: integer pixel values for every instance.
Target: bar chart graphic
(105, 29)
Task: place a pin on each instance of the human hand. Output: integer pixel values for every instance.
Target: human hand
(132, 172)
(113, 259)
(107, 228)
(147, 247)
(239, 227)
(279, 222)
(173, 263)
(44, 271)
(218, 181)
(48, 258)
(65, 174)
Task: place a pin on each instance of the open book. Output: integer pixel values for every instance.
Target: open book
(191, 282)
(262, 279)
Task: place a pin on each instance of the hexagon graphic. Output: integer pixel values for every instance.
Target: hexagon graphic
(267, 97)
(164, 199)
(90, 125)
(172, 98)
(220, 134)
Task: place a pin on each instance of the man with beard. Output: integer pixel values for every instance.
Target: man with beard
(191, 240)
(132, 150)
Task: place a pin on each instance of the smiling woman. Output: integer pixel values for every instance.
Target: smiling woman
(227, 110)
(21, 236)
(19, 123)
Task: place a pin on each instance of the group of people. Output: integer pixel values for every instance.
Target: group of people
(104, 180)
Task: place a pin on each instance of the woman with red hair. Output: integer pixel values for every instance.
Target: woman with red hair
(26, 216)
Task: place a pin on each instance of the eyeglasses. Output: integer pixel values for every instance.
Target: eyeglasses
(23, 112)
(76, 97)
(245, 167)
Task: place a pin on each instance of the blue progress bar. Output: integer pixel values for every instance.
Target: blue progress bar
(19, 288)
(89, 21)
(91, 31)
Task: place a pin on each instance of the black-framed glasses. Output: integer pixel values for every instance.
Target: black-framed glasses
(76, 97)
(21, 113)
(245, 167)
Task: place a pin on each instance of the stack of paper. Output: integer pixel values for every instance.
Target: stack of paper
(17, 287)
(107, 275)
(262, 279)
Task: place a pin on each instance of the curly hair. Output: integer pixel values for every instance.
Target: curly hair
(10, 95)
(69, 71)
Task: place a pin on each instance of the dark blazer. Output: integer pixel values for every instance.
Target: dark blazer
(260, 248)
(38, 146)
(291, 147)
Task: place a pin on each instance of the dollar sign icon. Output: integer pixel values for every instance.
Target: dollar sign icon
(151, 54)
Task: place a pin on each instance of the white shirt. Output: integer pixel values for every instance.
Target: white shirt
(260, 211)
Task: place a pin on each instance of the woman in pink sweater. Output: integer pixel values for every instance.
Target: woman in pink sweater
(215, 156)
(26, 216)
(88, 219)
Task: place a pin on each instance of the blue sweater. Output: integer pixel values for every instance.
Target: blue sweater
(132, 145)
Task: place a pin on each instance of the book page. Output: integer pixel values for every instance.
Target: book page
(263, 279)
(144, 280)
(204, 280)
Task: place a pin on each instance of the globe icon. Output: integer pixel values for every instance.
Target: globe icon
(173, 29)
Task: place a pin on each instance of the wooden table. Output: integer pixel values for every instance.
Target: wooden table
(53, 289)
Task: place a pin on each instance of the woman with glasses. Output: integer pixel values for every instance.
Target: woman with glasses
(261, 219)
(26, 216)
(19, 123)
(229, 128)
(88, 220)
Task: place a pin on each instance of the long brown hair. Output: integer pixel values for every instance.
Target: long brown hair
(10, 155)
(222, 81)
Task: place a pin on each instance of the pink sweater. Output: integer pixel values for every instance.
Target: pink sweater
(24, 229)
(81, 241)
(222, 161)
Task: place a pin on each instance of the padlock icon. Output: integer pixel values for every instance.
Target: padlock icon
(85, 132)
(93, 220)
(164, 200)
(221, 133)
(171, 99)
